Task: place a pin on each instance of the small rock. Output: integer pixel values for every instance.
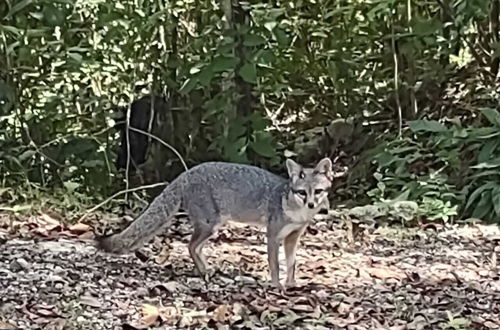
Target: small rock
(142, 292)
(484, 272)
(19, 264)
(90, 301)
(491, 325)
(226, 280)
(7, 326)
(58, 270)
(245, 279)
(173, 286)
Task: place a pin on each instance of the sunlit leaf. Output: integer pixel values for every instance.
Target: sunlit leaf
(71, 186)
(188, 85)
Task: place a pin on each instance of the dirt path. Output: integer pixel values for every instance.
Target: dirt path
(390, 279)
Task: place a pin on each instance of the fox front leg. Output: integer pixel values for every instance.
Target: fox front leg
(291, 243)
(273, 245)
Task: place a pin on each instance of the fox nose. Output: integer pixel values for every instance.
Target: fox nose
(310, 205)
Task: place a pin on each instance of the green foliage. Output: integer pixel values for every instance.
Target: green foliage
(443, 167)
(239, 82)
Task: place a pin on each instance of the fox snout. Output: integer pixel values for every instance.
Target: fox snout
(310, 205)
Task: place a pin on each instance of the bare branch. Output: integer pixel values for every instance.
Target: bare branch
(154, 137)
(396, 80)
(121, 192)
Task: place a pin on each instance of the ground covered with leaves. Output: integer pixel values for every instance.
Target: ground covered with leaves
(52, 277)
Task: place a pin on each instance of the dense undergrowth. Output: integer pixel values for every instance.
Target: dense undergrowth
(245, 81)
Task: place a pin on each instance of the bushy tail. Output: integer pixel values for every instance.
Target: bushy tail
(156, 217)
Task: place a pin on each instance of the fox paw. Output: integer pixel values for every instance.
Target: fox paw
(275, 286)
(207, 274)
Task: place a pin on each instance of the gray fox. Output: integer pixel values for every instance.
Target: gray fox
(214, 193)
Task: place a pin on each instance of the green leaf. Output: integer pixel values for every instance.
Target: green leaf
(270, 25)
(490, 164)
(16, 208)
(251, 40)
(188, 85)
(76, 57)
(18, 7)
(275, 13)
(249, 73)
(425, 125)
(24, 54)
(281, 37)
(27, 154)
(381, 8)
(11, 29)
(93, 163)
(492, 115)
(265, 57)
(385, 159)
(460, 132)
(223, 63)
(425, 27)
(487, 150)
(484, 207)
(71, 186)
(237, 127)
(206, 75)
(263, 144)
(403, 149)
(235, 151)
(483, 133)
(7, 101)
(319, 34)
(404, 196)
(495, 198)
(53, 16)
(478, 192)
(496, 47)
(259, 123)
(485, 173)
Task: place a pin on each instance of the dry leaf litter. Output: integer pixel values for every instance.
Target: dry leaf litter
(52, 277)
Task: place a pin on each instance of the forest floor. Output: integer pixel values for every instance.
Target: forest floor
(52, 277)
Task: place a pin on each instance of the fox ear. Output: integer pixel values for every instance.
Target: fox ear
(324, 167)
(293, 168)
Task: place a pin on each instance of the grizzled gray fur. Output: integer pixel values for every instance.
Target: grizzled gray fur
(214, 193)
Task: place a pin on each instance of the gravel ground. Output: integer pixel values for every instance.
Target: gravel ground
(385, 279)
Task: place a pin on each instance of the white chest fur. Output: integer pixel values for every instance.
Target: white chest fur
(296, 219)
(289, 228)
(300, 215)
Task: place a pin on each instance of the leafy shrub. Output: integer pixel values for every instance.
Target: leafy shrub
(444, 168)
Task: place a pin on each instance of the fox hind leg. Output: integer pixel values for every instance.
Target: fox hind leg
(199, 238)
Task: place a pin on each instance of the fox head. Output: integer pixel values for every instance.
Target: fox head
(309, 186)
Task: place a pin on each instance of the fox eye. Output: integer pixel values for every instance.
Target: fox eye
(302, 193)
(318, 191)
